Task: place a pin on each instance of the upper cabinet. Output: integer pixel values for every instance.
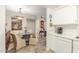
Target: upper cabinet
(63, 15)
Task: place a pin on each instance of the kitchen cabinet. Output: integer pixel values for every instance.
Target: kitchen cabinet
(63, 15)
(75, 46)
(58, 44)
(51, 42)
(76, 49)
(63, 45)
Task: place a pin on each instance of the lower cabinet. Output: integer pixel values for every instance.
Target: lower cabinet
(59, 45)
(51, 42)
(62, 45)
(75, 47)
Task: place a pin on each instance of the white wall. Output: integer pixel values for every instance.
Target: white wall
(37, 27)
(78, 20)
(2, 28)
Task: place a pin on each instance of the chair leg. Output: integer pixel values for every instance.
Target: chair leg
(27, 42)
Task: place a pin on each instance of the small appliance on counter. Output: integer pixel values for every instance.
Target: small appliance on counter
(59, 30)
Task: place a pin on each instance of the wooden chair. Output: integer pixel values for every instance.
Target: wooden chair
(10, 40)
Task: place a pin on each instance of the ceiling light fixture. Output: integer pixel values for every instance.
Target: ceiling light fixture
(18, 17)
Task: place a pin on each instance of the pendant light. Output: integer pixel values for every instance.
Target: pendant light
(19, 17)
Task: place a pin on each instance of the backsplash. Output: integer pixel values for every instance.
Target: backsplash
(59, 30)
(70, 30)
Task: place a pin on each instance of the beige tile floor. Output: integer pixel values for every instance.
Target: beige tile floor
(33, 49)
(39, 47)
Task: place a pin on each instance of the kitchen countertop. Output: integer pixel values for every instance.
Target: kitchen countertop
(65, 36)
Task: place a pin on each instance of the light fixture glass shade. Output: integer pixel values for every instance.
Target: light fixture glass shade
(19, 17)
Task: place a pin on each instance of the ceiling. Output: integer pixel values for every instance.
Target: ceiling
(50, 6)
(37, 10)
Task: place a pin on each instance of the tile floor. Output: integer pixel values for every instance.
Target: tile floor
(39, 47)
(33, 49)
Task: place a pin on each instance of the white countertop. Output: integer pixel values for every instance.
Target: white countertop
(70, 37)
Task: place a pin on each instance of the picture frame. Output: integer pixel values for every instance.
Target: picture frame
(16, 25)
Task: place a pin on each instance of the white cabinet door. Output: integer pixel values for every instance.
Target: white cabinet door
(63, 45)
(59, 45)
(75, 47)
(51, 42)
(65, 15)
